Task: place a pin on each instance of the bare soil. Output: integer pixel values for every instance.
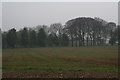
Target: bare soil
(56, 74)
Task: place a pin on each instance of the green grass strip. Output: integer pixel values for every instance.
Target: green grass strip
(61, 69)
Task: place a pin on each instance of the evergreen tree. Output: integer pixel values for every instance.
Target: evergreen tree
(4, 40)
(11, 38)
(41, 38)
(24, 37)
(32, 38)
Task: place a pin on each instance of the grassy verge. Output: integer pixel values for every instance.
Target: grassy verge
(61, 69)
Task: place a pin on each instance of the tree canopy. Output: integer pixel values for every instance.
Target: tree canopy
(82, 31)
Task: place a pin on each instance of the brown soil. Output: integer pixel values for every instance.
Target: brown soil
(56, 74)
(93, 60)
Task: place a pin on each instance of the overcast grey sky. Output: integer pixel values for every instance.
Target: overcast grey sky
(30, 14)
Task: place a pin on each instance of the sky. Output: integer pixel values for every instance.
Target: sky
(30, 14)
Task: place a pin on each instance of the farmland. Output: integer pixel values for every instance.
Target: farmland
(64, 60)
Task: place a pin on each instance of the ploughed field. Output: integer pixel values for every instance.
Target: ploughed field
(61, 62)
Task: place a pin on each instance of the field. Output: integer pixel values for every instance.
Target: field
(96, 61)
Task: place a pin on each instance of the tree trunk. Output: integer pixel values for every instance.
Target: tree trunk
(76, 41)
(72, 40)
(80, 41)
(83, 40)
(87, 41)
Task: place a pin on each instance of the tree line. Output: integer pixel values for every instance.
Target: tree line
(82, 31)
(25, 38)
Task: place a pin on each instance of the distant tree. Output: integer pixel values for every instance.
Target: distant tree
(115, 38)
(38, 27)
(11, 38)
(82, 30)
(50, 40)
(41, 38)
(111, 29)
(65, 40)
(19, 39)
(112, 40)
(0, 39)
(24, 37)
(56, 29)
(55, 40)
(32, 38)
(69, 27)
(4, 40)
(118, 34)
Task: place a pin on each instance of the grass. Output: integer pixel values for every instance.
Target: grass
(63, 69)
(95, 58)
